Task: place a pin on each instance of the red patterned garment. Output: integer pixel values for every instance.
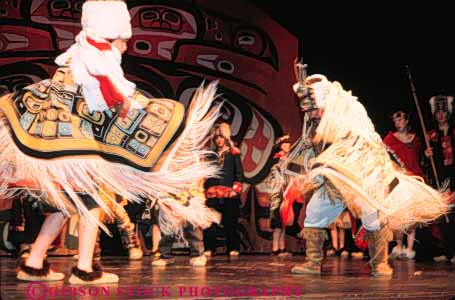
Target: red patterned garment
(443, 145)
(407, 154)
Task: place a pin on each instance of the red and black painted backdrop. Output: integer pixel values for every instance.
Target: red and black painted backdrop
(175, 46)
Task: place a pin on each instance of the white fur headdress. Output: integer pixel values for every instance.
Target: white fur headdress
(222, 129)
(95, 63)
(320, 85)
(106, 19)
(446, 103)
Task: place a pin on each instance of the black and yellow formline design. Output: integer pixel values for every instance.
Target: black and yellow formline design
(50, 119)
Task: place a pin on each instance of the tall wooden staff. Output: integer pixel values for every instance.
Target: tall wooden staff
(300, 72)
(422, 124)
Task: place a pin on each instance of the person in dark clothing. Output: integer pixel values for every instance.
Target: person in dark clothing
(27, 215)
(442, 148)
(193, 235)
(442, 139)
(280, 215)
(223, 192)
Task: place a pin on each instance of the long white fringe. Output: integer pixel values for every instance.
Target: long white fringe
(181, 169)
(358, 148)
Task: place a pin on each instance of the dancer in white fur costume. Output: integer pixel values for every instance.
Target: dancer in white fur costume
(354, 170)
(87, 131)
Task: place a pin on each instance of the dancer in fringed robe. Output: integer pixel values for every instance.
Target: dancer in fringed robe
(354, 170)
(70, 140)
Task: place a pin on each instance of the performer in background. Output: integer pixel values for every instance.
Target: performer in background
(281, 210)
(405, 147)
(442, 139)
(193, 238)
(442, 142)
(223, 192)
(149, 218)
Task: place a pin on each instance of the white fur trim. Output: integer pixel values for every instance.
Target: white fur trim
(106, 19)
(316, 77)
(432, 104)
(321, 87)
(183, 167)
(449, 103)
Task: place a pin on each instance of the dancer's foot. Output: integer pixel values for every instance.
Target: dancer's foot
(198, 261)
(27, 273)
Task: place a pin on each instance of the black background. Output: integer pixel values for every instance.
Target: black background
(366, 47)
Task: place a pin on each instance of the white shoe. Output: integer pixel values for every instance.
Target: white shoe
(357, 254)
(27, 273)
(409, 254)
(234, 253)
(198, 261)
(284, 254)
(162, 262)
(208, 253)
(135, 253)
(396, 252)
(345, 253)
(51, 276)
(440, 258)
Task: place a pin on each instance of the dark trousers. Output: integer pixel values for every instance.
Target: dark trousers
(33, 220)
(191, 234)
(448, 237)
(230, 211)
(430, 245)
(33, 212)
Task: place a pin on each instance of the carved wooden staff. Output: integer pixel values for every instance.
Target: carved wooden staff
(422, 124)
(300, 70)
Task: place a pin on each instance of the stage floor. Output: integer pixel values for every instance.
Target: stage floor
(241, 278)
